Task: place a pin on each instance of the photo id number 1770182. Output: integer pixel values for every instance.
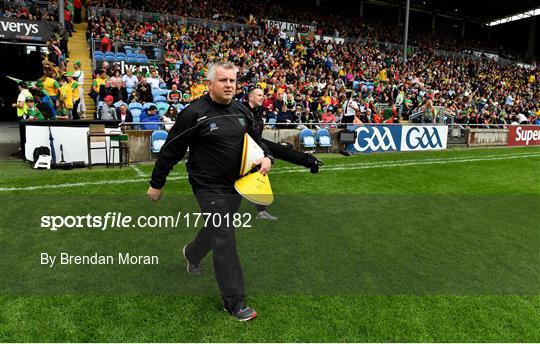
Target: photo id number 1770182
(216, 220)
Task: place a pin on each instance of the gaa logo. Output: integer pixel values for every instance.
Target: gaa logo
(372, 139)
(423, 138)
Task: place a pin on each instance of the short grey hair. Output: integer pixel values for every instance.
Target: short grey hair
(211, 74)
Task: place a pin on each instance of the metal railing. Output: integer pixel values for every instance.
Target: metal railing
(164, 17)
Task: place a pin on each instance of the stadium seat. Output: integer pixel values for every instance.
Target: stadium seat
(159, 98)
(156, 92)
(162, 85)
(323, 138)
(129, 90)
(98, 52)
(142, 60)
(147, 105)
(120, 58)
(307, 139)
(128, 49)
(179, 107)
(119, 103)
(272, 122)
(132, 60)
(99, 57)
(131, 55)
(110, 58)
(157, 140)
(135, 105)
(162, 108)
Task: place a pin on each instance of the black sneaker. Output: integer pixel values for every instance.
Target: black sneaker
(192, 269)
(315, 167)
(245, 314)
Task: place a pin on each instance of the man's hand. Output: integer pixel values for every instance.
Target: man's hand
(265, 165)
(154, 194)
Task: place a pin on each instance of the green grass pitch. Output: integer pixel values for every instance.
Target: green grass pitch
(423, 247)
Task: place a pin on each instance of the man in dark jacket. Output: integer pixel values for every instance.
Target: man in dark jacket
(254, 104)
(213, 127)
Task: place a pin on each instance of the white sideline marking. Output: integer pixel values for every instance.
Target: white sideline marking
(138, 170)
(355, 166)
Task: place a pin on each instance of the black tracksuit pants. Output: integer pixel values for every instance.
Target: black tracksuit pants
(288, 154)
(220, 239)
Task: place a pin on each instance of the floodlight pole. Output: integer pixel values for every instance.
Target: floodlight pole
(61, 13)
(406, 34)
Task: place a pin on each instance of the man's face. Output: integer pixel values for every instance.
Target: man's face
(256, 97)
(223, 87)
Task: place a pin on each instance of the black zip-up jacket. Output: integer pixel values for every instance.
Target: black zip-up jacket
(258, 121)
(214, 134)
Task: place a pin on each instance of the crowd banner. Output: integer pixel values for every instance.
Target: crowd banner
(286, 26)
(12, 29)
(124, 66)
(388, 138)
(519, 135)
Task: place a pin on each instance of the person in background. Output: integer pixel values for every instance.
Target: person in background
(150, 115)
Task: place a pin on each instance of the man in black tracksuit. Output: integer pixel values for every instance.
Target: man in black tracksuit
(213, 128)
(278, 151)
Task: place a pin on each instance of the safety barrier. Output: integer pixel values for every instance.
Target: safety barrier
(366, 138)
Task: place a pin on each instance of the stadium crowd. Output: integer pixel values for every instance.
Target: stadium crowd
(306, 81)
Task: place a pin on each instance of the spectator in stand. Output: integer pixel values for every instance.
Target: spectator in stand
(107, 111)
(174, 95)
(32, 111)
(129, 80)
(106, 44)
(150, 115)
(144, 91)
(77, 18)
(154, 79)
(74, 86)
(125, 116)
(79, 77)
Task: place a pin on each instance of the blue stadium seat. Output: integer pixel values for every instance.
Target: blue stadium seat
(156, 92)
(162, 108)
(99, 52)
(307, 139)
(162, 85)
(323, 138)
(99, 57)
(142, 60)
(159, 98)
(131, 55)
(179, 107)
(119, 103)
(147, 105)
(132, 60)
(135, 105)
(272, 122)
(110, 58)
(157, 140)
(121, 58)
